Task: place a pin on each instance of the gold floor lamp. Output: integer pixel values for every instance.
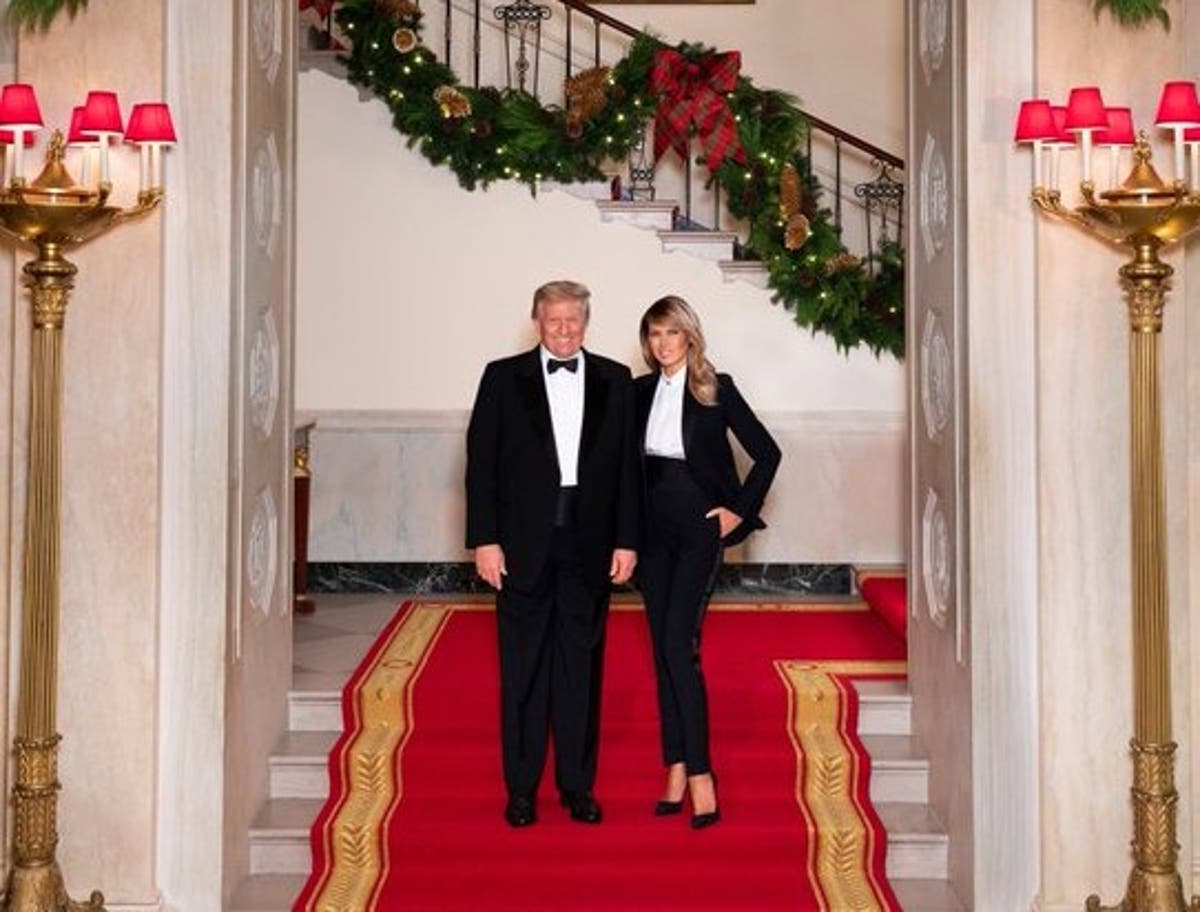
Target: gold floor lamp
(53, 214)
(1140, 215)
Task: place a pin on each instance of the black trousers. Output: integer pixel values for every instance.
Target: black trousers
(676, 571)
(551, 638)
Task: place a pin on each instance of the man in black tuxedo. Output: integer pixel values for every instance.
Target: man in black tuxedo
(552, 513)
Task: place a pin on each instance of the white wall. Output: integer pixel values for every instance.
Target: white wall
(403, 276)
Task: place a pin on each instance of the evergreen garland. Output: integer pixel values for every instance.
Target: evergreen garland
(38, 14)
(1134, 12)
(484, 135)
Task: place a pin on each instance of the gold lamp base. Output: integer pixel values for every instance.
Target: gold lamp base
(35, 889)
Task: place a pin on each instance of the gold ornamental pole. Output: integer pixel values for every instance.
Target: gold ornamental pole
(1143, 215)
(51, 215)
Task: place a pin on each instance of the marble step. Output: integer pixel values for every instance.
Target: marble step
(314, 710)
(918, 848)
(299, 766)
(593, 190)
(267, 893)
(658, 215)
(926, 896)
(751, 271)
(713, 246)
(884, 708)
(898, 771)
(279, 836)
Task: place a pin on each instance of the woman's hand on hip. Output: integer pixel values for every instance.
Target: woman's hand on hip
(726, 518)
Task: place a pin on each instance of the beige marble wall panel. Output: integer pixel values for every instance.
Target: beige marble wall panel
(388, 486)
(940, 620)
(260, 642)
(1186, 314)
(12, 381)
(108, 668)
(1084, 560)
(1002, 349)
(196, 463)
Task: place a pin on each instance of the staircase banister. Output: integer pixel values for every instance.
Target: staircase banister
(825, 126)
(611, 21)
(886, 158)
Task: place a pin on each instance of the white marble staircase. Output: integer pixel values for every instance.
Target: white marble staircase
(280, 856)
(658, 216)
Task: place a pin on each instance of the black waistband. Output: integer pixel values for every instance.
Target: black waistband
(665, 468)
(564, 510)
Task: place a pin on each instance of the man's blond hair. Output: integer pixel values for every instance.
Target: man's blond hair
(562, 290)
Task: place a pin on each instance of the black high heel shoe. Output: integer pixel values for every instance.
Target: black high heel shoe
(708, 818)
(663, 808)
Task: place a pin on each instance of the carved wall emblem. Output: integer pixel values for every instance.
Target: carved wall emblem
(933, 29)
(266, 24)
(935, 559)
(266, 196)
(262, 374)
(936, 376)
(935, 198)
(262, 545)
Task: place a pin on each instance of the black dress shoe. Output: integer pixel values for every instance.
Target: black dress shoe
(581, 805)
(520, 811)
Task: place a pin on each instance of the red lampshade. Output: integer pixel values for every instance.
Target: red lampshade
(101, 115)
(1120, 128)
(6, 137)
(1034, 121)
(1085, 110)
(76, 136)
(1062, 139)
(150, 122)
(1178, 106)
(19, 108)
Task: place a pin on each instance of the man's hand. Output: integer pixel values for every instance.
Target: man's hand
(489, 564)
(726, 519)
(623, 562)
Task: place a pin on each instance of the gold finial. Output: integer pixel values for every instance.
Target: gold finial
(57, 149)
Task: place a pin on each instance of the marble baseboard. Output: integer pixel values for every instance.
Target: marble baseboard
(387, 488)
(455, 578)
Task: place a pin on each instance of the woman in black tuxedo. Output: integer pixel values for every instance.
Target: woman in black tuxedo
(695, 505)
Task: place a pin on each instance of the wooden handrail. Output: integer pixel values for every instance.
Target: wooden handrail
(884, 157)
(595, 14)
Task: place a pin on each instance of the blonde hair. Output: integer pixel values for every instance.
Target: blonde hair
(562, 290)
(675, 312)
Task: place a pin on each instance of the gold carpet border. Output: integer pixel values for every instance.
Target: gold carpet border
(841, 843)
(382, 723)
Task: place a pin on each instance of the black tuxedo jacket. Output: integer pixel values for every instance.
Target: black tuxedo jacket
(513, 474)
(708, 454)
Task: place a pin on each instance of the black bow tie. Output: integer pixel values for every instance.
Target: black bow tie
(553, 364)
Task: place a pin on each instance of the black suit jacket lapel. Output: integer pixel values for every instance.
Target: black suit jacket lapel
(533, 394)
(595, 397)
(690, 413)
(645, 399)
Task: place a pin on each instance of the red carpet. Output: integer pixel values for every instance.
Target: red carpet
(425, 832)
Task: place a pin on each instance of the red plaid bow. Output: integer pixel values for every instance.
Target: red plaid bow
(321, 7)
(693, 93)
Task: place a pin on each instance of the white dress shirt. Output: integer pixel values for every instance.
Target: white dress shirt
(564, 390)
(664, 428)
